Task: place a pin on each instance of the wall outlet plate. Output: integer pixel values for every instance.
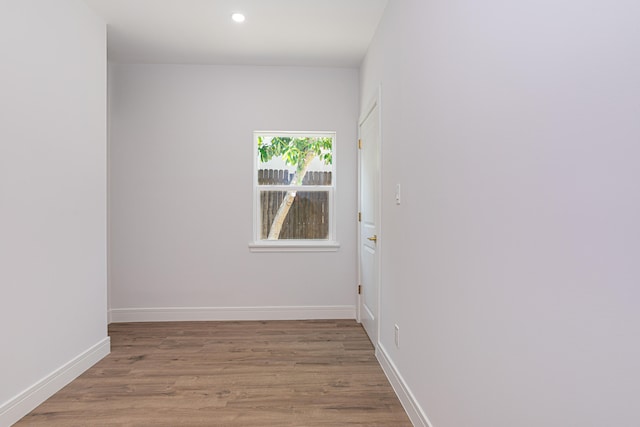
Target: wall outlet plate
(396, 335)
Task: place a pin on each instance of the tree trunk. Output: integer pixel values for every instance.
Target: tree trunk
(285, 206)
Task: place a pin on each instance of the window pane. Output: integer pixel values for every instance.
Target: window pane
(308, 216)
(294, 159)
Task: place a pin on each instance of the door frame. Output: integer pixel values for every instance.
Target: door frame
(374, 102)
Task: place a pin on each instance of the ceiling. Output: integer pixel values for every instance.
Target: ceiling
(330, 33)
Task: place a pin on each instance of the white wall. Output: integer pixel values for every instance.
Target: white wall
(52, 198)
(181, 191)
(512, 266)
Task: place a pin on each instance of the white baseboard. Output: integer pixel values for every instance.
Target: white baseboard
(411, 406)
(172, 314)
(19, 406)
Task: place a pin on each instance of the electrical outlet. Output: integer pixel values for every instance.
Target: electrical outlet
(396, 336)
(397, 194)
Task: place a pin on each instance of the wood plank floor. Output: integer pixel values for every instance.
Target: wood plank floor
(273, 373)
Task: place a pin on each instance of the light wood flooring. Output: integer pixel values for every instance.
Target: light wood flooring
(274, 373)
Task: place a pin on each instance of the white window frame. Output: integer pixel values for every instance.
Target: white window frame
(294, 245)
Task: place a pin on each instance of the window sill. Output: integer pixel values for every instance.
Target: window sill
(293, 246)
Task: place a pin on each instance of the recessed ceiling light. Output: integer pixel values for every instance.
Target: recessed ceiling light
(238, 17)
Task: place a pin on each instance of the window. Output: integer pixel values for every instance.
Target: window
(294, 182)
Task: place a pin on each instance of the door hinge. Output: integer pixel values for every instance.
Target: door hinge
(360, 144)
(359, 216)
(359, 289)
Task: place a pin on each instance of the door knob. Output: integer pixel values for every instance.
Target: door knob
(373, 238)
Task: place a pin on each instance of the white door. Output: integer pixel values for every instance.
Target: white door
(369, 243)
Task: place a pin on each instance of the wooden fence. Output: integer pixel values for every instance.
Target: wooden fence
(308, 217)
(283, 177)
